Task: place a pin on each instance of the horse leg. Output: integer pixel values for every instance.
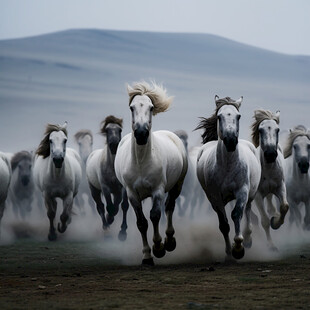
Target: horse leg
(51, 206)
(142, 225)
(122, 235)
(259, 200)
(224, 228)
(158, 247)
(277, 221)
(96, 194)
(236, 215)
(248, 226)
(307, 216)
(112, 208)
(65, 217)
(170, 242)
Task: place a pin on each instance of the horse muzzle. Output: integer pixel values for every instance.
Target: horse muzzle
(270, 155)
(141, 134)
(230, 143)
(113, 146)
(303, 165)
(25, 180)
(58, 161)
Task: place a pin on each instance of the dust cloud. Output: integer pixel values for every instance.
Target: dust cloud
(198, 237)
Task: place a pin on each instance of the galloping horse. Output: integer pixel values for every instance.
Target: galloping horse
(22, 184)
(5, 177)
(265, 137)
(149, 164)
(228, 169)
(57, 173)
(84, 139)
(101, 175)
(297, 175)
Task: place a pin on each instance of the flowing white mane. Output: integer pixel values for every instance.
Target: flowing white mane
(157, 94)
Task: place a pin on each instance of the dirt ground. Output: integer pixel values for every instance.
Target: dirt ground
(44, 275)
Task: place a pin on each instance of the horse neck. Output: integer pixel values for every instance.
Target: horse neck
(110, 157)
(223, 157)
(141, 152)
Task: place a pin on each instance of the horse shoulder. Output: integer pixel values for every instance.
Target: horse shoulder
(93, 168)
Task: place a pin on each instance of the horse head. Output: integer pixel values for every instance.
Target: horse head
(23, 162)
(84, 139)
(228, 118)
(301, 153)
(58, 144)
(268, 131)
(144, 101)
(141, 112)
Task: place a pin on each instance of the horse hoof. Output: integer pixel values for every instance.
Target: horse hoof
(273, 223)
(61, 228)
(122, 235)
(110, 219)
(52, 236)
(159, 251)
(238, 252)
(170, 244)
(148, 262)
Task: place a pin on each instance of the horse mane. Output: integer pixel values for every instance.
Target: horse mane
(259, 116)
(44, 146)
(110, 120)
(210, 124)
(82, 133)
(297, 131)
(182, 134)
(155, 92)
(17, 157)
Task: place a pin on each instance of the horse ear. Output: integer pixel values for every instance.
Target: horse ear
(216, 98)
(239, 101)
(278, 113)
(65, 125)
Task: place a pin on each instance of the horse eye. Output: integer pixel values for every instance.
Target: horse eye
(51, 141)
(152, 108)
(65, 141)
(131, 109)
(238, 116)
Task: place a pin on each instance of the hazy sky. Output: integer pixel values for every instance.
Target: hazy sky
(279, 25)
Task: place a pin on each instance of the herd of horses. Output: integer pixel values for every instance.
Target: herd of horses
(158, 164)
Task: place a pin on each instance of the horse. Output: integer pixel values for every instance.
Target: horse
(187, 188)
(297, 175)
(265, 137)
(227, 169)
(5, 176)
(84, 139)
(150, 164)
(102, 179)
(57, 173)
(22, 185)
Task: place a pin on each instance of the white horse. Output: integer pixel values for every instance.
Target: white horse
(149, 164)
(22, 186)
(265, 137)
(57, 173)
(5, 178)
(297, 175)
(84, 139)
(101, 175)
(228, 169)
